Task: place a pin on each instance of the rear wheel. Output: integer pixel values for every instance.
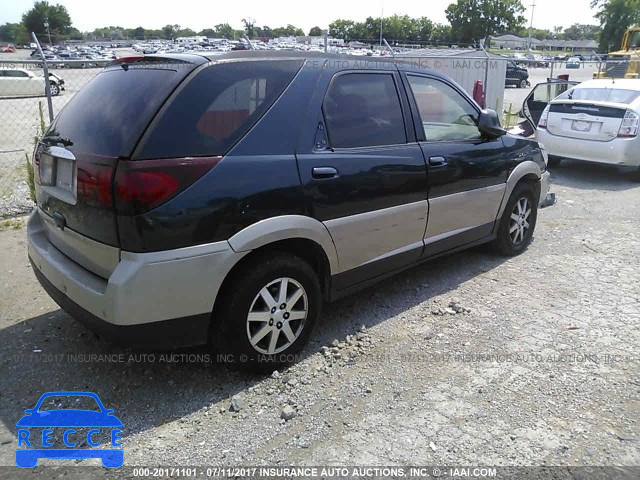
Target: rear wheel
(268, 312)
(518, 221)
(54, 89)
(554, 161)
(523, 83)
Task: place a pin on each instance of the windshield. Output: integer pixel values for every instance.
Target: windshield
(69, 402)
(634, 40)
(616, 95)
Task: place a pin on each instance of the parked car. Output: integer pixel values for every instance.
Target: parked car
(573, 62)
(227, 210)
(8, 49)
(516, 75)
(18, 82)
(595, 121)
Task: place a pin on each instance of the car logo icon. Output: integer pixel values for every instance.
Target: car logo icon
(69, 424)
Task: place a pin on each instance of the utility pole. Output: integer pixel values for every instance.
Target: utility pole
(381, 18)
(533, 7)
(46, 24)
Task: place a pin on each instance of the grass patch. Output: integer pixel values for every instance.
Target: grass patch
(12, 224)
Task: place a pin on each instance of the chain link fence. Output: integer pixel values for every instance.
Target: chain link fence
(24, 113)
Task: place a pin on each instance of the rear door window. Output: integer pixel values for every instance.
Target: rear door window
(217, 108)
(363, 110)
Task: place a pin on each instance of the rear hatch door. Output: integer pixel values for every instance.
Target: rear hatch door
(585, 120)
(76, 159)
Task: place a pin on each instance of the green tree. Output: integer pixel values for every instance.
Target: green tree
(185, 32)
(170, 31)
(315, 32)
(56, 15)
(249, 27)
(441, 34)
(288, 31)
(14, 33)
(581, 32)
(472, 20)
(265, 31)
(225, 30)
(139, 33)
(615, 17)
(341, 29)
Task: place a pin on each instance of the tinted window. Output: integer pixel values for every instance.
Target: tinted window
(363, 109)
(15, 74)
(617, 95)
(446, 115)
(110, 113)
(217, 108)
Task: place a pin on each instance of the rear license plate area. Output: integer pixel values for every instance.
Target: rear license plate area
(58, 177)
(581, 126)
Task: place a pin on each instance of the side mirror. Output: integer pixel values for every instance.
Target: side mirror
(489, 124)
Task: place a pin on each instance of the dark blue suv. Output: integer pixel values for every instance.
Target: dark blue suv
(189, 199)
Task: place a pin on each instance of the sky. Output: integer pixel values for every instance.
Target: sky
(199, 14)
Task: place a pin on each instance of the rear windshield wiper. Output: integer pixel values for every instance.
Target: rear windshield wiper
(61, 140)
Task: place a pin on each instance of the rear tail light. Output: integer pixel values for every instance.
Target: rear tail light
(629, 125)
(544, 118)
(94, 184)
(35, 163)
(142, 185)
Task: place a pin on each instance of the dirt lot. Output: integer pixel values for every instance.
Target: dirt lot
(543, 370)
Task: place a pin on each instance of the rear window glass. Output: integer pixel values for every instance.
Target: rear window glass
(617, 95)
(217, 107)
(107, 117)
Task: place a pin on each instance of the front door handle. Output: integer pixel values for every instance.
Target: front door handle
(437, 161)
(324, 172)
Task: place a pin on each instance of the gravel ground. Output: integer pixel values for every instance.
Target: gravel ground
(469, 360)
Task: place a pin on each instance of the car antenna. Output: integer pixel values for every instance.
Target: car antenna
(393, 54)
(251, 46)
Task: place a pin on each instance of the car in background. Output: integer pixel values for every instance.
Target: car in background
(227, 191)
(18, 82)
(516, 75)
(8, 49)
(596, 121)
(573, 62)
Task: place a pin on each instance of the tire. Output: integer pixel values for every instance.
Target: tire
(523, 205)
(554, 161)
(256, 289)
(54, 89)
(522, 83)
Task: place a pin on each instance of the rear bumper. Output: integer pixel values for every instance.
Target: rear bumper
(179, 332)
(145, 291)
(618, 151)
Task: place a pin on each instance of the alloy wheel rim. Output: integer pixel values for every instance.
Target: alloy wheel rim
(519, 222)
(277, 316)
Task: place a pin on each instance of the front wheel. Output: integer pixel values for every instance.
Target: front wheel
(268, 310)
(523, 83)
(518, 221)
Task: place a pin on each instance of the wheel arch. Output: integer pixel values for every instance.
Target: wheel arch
(527, 171)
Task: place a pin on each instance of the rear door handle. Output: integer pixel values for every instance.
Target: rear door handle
(324, 172)
(437, 161)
